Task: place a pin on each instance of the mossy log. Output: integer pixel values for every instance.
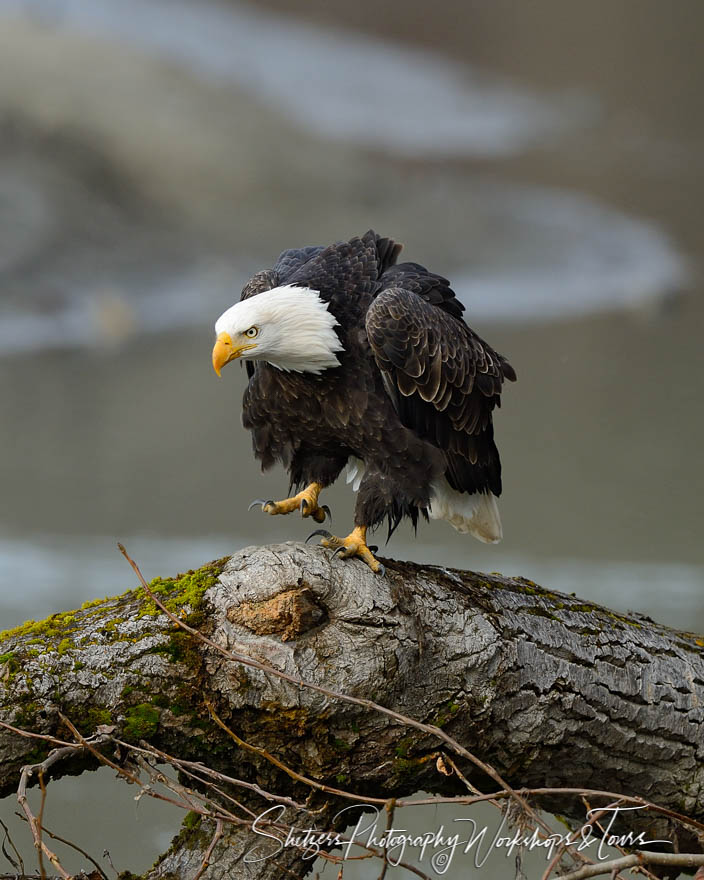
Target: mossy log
(550, 690)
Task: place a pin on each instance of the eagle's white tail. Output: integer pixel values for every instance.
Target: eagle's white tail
(476, 514)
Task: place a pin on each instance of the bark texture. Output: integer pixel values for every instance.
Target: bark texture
(551, 690)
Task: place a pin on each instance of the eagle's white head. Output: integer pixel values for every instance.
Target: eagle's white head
(289, 327)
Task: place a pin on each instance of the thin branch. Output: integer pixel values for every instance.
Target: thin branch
(70, 844)
(495, 802)
(636, 800)
(207, 783)
(156, 776)
(562, 849)
(103, 738)
(123, 772)
(40, 817)
(319, 786)
(545, 792)
(27, 771)
(390, 810)
(595, 820)
(209, 852)
(19, 864)
(188, 804)
(194, 767)
(637, 859)
(22, 877)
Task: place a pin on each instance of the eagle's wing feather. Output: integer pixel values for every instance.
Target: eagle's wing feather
(258, 283)
(348, 268)
(343, 268)
(432, 288)
(443, 379)
(288, 263)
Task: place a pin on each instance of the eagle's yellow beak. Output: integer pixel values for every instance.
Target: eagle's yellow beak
(224, 351)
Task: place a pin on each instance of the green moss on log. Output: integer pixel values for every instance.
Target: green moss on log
(141, 722)
(68, 634)
(185, 591)
(182, 595)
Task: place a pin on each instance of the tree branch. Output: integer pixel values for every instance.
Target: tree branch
(358, 684)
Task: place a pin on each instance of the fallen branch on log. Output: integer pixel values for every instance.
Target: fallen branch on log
(284, 680)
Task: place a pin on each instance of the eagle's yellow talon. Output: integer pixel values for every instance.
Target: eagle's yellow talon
(355, 544)
(306, 501)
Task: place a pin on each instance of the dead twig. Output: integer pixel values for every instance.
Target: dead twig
(636, 859)
(40, 817)
(226, 815)
(194, 768)
(72, 845)
(209, 852)
(390, 810)
(460, 799)
(19, 864)
(588, 824)
(188, 803)
(27, 772)
(157, 776)
(544, 792)
(595, 820)
(319, 786)
(125, 774)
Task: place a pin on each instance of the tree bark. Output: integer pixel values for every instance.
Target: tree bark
(552, 691)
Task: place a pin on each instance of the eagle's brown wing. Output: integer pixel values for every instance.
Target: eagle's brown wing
(442, 378)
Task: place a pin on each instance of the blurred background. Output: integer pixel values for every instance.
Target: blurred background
(547, 157)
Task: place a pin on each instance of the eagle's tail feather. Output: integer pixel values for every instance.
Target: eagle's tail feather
(476, 514)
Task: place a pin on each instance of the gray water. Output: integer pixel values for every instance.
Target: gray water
(549, 163)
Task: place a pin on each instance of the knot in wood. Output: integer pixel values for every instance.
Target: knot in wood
(288, 614)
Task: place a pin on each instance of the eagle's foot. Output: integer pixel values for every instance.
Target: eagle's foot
(355, 544)
(306, 501)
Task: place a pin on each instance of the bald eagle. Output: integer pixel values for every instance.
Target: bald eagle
(356, 361)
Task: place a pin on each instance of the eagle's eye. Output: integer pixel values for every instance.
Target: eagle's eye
(252, 332)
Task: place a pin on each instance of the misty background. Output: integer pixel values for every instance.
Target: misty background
(548, 158)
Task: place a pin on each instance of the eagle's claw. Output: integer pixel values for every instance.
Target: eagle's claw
(259, 501)
(318, 513)
(322, 532)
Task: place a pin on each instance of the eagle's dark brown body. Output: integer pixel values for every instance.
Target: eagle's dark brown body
(413, 394)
